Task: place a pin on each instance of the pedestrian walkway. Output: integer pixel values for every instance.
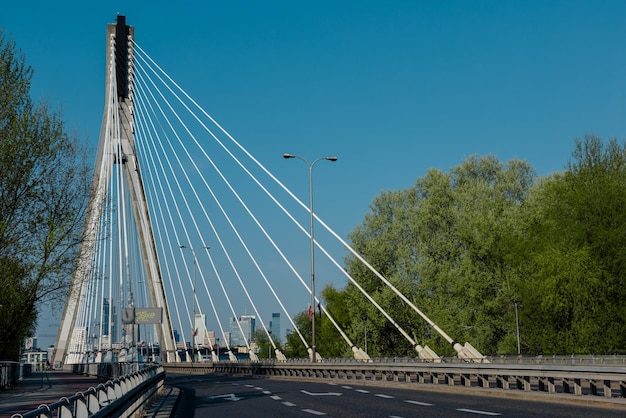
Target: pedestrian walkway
(44, 387)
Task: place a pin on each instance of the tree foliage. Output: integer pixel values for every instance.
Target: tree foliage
(466, 246)
(43, 196)
(444, 244)
(577, 243)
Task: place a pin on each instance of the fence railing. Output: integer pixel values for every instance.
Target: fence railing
(120, 397)
(604, 381)
(108, 370)
(12, 372)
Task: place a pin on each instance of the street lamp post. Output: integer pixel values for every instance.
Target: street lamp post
(365, 331)
(193, 319)
(519, 351)
(310, 166)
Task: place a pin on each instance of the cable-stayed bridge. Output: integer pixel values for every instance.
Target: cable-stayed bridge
(187, 230)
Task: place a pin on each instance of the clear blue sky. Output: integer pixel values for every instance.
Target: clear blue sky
(390, 87)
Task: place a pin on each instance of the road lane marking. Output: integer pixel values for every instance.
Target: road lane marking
(276, 397)
(474, 411)
(306, 392)
(380, 395)
(249, 386)
(228, 397)
(363, 391)
(347, 387)
(313, 411)
(419, 403)
(289, 404)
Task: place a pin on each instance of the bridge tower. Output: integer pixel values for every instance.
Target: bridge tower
(116, 147)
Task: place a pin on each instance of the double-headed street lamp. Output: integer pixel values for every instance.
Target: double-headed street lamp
(310, 166)
(193, 320)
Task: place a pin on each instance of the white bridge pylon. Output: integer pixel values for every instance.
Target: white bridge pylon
(203, 190)
(105, 278)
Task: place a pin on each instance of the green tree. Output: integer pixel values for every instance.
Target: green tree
(447, 244)
(43, 197)
(294, 348)
(576, 235)
(263, 343)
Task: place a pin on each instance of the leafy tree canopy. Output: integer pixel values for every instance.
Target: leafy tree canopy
(43, 195)
(468, 245)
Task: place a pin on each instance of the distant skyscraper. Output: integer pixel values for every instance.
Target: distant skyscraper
(247, 323)
(275, 326)
(199, 323)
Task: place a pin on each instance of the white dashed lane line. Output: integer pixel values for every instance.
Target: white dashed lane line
(313, 411)
(363, 391)
(419, 403)
(474, 411)
(380, 395)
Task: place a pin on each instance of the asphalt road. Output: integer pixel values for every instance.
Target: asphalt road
(208, 395)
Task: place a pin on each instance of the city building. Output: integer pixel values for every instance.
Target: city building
(275, 326)
(245, 323)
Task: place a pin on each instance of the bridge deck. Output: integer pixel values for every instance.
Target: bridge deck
(43, 387)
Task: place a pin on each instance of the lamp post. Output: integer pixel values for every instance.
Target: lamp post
(193, 320)
(516, 304)
(365, 331)
(310, 166)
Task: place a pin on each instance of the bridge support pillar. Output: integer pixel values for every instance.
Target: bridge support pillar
(523, 383)
(546, 384)
(503, 382)
(607, 389)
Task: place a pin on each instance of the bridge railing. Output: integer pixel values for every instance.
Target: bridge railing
(108, 370)
(597, 381)
(123, 396)
(12, 372)
(574, 360)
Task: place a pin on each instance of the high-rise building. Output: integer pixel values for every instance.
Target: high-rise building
(247, 324)
(275, 326)
(200, 327)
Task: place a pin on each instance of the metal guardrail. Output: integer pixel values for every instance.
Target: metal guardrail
(567, 360)
(579, 378)
(120, 397)
(12, 372)
(108, 370)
